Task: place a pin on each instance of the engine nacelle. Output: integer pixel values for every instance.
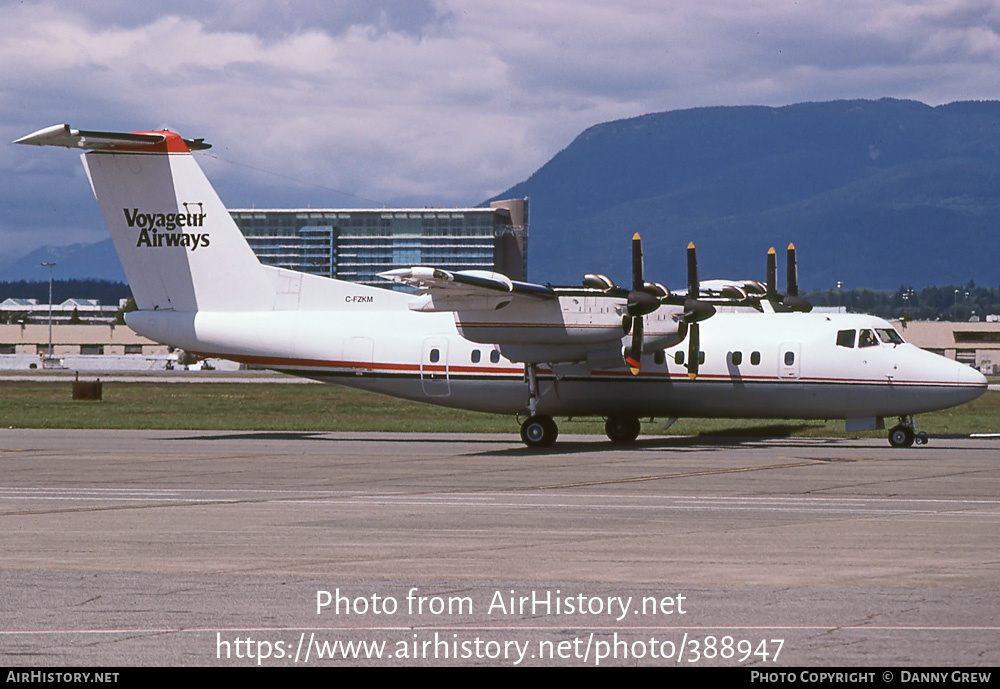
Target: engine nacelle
(572, 328)
(567, 320)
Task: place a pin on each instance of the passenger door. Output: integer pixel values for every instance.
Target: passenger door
(788, 363)
(434, 367)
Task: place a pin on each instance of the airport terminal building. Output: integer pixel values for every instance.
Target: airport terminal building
(357, 244)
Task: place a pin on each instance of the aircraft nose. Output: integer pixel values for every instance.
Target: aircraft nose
(971, 383)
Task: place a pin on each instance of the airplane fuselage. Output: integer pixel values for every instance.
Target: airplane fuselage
(786, 365)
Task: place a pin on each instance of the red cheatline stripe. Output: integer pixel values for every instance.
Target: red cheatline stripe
(281, 362)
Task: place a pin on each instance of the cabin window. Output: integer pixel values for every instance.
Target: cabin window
(679, 357)
(789, 358)
(737, 358)
(659, 357)
(495, 356)
(476, 356)
(435, 355)
(701, 358)
(755, 358)
(889, 336)
(845, 338)
(867, 339)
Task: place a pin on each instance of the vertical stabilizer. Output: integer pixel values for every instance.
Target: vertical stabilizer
(179, 247)
(178, 244)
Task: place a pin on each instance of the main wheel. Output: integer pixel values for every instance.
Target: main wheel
(539, 431)
(622, 430)
(901, 436)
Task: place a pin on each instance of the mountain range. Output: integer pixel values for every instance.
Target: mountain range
(96, 261)
(873, 194)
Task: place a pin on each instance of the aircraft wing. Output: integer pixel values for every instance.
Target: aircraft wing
(728, 290)
(446, 290)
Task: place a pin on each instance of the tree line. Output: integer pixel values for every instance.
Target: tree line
(104, 291)
(946, 303)
(935, 303)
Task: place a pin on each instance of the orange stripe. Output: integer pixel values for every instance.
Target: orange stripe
(273, 362)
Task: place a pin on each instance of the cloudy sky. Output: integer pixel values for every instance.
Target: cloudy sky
(354, 103)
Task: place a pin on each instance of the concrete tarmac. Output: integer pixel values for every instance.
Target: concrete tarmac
(125, 548)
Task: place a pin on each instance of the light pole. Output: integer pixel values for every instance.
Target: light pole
(50, 266)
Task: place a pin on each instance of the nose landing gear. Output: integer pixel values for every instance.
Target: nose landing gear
(905, 434)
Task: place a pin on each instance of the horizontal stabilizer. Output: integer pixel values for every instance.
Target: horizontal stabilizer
(67, 137)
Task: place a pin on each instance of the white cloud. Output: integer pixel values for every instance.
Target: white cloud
(449, 102)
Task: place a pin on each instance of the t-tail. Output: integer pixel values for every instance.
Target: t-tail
(177, 243)
(195, 279)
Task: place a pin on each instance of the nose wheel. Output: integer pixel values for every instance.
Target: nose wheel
(901, 436)
(904, 434)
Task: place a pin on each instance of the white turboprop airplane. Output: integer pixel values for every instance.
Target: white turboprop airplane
(478, 340)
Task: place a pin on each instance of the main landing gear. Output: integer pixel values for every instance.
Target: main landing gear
(536, 431)
(539, 431)
(904, 434)
(622, 430)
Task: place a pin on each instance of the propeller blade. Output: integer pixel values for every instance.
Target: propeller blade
(792, 286)
(694, 350)
(694, 290)
(792, 300)
(634, 356)
(641, 300)
(772, 275)
(637, 281)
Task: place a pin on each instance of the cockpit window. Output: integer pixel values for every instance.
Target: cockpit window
(845, 338)
(889, 336)
(867, 339)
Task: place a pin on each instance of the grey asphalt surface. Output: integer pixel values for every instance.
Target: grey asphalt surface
(213, 548)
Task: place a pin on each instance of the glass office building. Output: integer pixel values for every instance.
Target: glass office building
(357, 244)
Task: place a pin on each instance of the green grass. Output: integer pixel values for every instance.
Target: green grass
(250, 406)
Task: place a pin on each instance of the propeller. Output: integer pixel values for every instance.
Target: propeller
(790, 301)
(772, 276)
(694, 312)
(645, 297)
(641, 300)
